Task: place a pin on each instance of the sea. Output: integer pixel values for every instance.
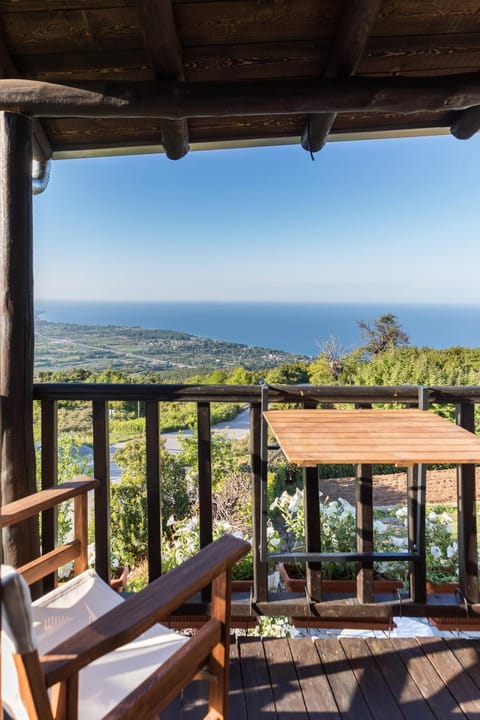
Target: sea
(298, 328)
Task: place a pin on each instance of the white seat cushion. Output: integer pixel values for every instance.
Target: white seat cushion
(69, 608)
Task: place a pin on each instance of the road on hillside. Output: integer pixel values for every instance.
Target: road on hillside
(235, 429)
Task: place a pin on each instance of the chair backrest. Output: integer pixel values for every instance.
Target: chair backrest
(17, 637)
(42, 625)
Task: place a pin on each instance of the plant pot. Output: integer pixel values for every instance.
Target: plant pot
(295, 582)
(119, 578)
(451, 623)
(342, 623)
(442, 588)
(242, 585)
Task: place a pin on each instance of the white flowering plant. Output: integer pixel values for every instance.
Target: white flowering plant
(442, 547)
(183, 541)
(339, 534)
(338, 529)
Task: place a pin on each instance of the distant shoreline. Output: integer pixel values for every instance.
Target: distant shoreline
(298, 328)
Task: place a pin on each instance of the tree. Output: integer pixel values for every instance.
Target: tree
(386, 333)
(334, 354)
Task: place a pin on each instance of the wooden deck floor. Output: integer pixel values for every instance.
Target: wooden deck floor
(351, 678)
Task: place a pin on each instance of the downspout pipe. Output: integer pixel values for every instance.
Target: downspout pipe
(40, 175)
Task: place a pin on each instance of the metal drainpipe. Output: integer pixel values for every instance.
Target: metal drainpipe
(40, 175)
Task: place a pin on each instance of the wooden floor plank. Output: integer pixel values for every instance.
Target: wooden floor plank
(317, 693)
(376, 691)
(256, 680)
(453, 675)
(287, 694)
(409, 697)
(348, 694)
(428, 681)
(236, 698)
(195, 703)
(468, 653)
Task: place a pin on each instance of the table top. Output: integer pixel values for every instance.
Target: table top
(401, 437)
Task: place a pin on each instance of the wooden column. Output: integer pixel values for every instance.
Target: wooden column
(21, 542)
(313, 539)
(467, 516)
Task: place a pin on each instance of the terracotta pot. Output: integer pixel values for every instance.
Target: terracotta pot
(119, 577)
(442, 588)
(242, 585)
(451, 623)
(294, 582)
(342, 623)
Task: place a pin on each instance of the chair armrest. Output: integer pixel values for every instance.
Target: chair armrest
(31, 505)
(131, 618)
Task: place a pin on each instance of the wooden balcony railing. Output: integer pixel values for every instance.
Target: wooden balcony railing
(464, 399)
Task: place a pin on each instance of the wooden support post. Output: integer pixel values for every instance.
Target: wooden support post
(313, 539)
(364, 496)
(416, 501)
(101, 471)
(205, 479)
(49, 474)
(259, 471)
(154, 495)
(467, 520)
(21, 543)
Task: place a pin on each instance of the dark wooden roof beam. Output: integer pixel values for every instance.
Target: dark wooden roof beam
(178, 100)
(42, 149)
(358, 17)
(163, 48)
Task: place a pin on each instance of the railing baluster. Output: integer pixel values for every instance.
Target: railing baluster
(154, 497)
(259, 470)
(313, 539)
(204, 473)
(364, 497)
(416, 502)
(49, 478)
(205, 480)
(466, 508)
(101, 471)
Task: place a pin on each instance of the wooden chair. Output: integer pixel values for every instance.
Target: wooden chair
(100, 655)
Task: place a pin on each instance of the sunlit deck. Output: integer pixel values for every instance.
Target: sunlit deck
(360, 678)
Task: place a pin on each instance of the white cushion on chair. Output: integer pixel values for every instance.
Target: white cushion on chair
(74, 605)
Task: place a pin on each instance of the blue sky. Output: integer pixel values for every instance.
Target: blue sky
(385, 220)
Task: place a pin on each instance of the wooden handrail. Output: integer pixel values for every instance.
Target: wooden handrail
(31, 505)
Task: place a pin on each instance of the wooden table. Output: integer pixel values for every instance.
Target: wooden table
(402, 437)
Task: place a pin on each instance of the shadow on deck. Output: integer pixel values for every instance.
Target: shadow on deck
(357, 678)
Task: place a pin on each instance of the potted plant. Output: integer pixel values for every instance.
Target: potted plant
(338, 535)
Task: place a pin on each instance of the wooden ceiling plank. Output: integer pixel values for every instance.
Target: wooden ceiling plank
(162, 45)
(356, 22)
(42, 149)
(175, 100)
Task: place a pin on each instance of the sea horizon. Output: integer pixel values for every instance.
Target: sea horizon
(297, 327)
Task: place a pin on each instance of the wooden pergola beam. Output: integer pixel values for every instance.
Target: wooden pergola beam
(163, 48)
(177, 100)
(356, 22)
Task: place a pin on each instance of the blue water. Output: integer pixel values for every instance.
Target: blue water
(294, 327)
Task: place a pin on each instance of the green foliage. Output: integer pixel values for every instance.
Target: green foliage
(228, 457)
(128, 517)
(71, 463)
(129, 499)
(289, 374)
